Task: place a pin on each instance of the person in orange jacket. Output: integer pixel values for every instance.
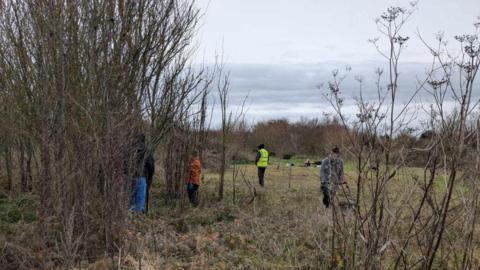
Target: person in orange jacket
(193, 181)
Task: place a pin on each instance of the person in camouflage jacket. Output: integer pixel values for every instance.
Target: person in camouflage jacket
(331, 175)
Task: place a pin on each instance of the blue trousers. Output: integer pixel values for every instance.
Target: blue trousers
(137, 199)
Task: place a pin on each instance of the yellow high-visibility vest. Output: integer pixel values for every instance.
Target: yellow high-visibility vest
(263, 161)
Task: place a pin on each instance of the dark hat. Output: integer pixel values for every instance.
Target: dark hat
(261, 146)
(141, 137)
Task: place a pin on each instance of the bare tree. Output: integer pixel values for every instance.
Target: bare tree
(229, 120)
(188, 135)
(79, 80)
(417, 222)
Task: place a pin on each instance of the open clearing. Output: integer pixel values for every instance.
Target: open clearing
(282, 228)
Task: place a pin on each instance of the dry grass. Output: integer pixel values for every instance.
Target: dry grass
(283, 228)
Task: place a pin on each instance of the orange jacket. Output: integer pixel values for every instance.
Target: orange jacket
(195, 171)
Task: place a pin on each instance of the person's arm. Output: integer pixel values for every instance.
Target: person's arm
(257, 158)
(341, 175)
(150, 164)
(324, 173)
(200, 167)
(200, 176)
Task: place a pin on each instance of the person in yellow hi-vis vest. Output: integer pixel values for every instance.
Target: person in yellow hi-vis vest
(261, 160)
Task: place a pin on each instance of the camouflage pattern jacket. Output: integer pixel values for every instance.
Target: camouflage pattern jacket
(331, 171)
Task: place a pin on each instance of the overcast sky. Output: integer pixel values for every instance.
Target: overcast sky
(279, 50)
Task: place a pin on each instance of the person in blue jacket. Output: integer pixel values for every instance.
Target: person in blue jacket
(143, 171)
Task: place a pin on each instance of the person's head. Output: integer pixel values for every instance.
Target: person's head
(261, 146)
(194, 154)
(141, 138)
(336, 150)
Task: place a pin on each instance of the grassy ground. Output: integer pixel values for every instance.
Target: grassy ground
(283, 228)
(286, 226)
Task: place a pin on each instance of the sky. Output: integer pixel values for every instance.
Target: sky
(279, 51)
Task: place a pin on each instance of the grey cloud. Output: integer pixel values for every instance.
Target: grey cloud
(290, 91)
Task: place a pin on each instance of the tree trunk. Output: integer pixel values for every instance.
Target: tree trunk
(222, 171)
(8, 168)
(23, 168)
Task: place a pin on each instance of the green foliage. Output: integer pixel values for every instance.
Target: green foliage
(225, 216)
(22, 208)
(13, 215)
(203, 218)
(30, 217)
(6, 228)
(241, 162)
